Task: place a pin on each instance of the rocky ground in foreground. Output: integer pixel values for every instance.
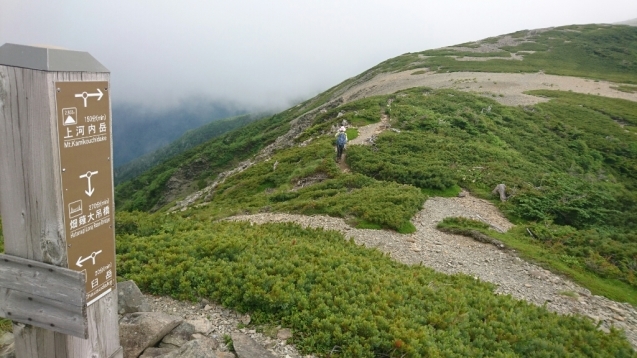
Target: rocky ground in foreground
(223, 322)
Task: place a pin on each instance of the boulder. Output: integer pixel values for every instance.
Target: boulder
(501, 190)
(130, 298)
(201, 325)
(178, 336)
(245, 319)
(199, 348)
(246, 347)
(138, 331)
(154, 352)
(284, 334)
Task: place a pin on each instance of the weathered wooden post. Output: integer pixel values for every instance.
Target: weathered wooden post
(57, 276)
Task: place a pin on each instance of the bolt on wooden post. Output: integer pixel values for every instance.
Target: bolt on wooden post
(57, 275)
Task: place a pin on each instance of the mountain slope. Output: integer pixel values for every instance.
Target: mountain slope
(568, 159)
(602, 52)
(632, 22)
(582, 47)
(190, 139)
(138, 130)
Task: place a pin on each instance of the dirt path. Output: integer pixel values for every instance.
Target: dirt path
(343, 164)
(505, 88)
(367, 132)
(458, 254)
(365, 135)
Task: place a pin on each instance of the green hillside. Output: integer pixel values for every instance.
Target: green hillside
(200, 164)
(569, 166)
(334, 293)
(190, 139)
(547, 199)
(602, 52)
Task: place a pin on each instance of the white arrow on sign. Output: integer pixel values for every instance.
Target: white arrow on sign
(86, 95)
(88, 176)
(89, 257)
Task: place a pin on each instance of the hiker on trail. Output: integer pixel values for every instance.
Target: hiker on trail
(341, 140)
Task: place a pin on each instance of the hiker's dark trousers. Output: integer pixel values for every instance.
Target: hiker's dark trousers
(339, 151)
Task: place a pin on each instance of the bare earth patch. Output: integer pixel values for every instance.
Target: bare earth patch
(505, 88)
(368, 131)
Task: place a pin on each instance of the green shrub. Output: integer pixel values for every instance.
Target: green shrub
(334, 293)
(389, 205)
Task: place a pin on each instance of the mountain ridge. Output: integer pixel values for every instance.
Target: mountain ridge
(407, 68)
(190, 139)
(567, 155)
(632, 22)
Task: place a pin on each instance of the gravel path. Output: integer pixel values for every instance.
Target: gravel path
(458, 254)
(370, 130)
(505, 88)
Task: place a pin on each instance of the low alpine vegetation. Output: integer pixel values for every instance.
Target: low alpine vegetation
(569, 165)
(342, 299)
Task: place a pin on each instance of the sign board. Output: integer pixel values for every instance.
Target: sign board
(84, 133)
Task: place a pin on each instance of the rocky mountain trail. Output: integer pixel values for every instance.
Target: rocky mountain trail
(453, 254)
(366, 136)
(366, 133)
(505, 88)
(162, 327)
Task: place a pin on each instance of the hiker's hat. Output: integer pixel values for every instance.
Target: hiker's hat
(342, 129)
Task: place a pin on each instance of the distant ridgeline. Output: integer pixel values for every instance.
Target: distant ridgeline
(569, 164)
(138, 130)
(603, 52)
(190, 139)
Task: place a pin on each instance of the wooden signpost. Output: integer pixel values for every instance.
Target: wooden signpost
(57, 275)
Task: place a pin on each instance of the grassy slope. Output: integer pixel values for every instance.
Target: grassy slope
(190, 139)
(200, 163)
(567, 164)
(601, 52)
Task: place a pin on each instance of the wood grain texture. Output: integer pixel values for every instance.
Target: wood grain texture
(43, 295)
(31, 204)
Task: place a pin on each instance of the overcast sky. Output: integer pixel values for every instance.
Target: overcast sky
(269, 53)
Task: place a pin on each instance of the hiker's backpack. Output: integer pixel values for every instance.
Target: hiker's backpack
(340, 140)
